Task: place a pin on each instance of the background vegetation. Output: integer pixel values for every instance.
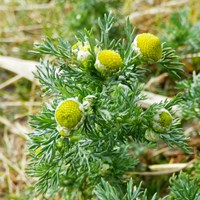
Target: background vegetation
(25, 23)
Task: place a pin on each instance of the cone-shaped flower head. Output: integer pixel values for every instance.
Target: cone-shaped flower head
(108, 61)
(162, 121)
(148, 46)
(69, 114)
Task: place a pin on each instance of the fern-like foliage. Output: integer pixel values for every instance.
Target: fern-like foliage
(191, 97)
(181, 33)
(104, 191)
(183, 187)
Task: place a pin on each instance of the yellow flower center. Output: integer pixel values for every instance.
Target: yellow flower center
(165, 119)
(110, 59)
(149, 46)
(68, 114)
(162, 121)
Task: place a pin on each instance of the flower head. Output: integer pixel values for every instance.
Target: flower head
(148, 46)
(162, 121)
(69, 114)
(108, 61)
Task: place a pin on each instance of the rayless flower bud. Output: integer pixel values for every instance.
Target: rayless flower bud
(162, 121)
(151, 136)
(84, 55)
(108, 61)
(148, 46)
(68, 115)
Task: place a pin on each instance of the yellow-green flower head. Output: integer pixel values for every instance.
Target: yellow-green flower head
(148, 46)
(69, 114)
(162, 121)
(151, 136)
(108, 61)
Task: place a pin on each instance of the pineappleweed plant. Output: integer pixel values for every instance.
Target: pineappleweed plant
(85, 131)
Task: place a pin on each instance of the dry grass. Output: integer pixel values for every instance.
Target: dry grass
(22, 23)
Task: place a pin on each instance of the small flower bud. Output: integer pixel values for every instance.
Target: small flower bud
(108, 61)
(84, 55)
(69, 114)
(151, 136)
(162, 121)
(148, 46)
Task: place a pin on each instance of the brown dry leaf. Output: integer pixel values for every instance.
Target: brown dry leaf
(21, 67)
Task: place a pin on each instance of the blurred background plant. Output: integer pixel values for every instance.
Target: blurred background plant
(25, 22)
